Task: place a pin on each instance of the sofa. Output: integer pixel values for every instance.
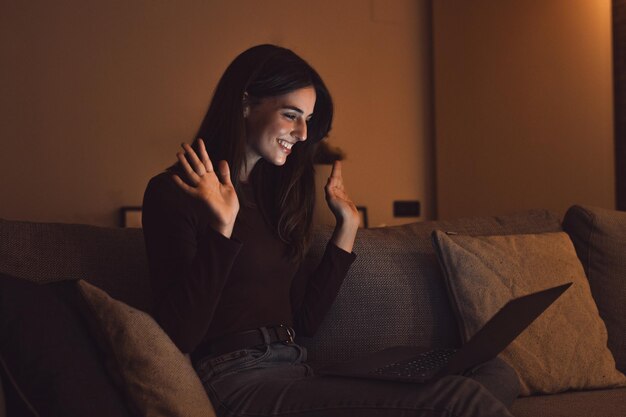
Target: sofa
(394, 294)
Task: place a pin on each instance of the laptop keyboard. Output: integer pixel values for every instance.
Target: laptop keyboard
(418, 366)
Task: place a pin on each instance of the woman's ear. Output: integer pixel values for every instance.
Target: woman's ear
(246, 105)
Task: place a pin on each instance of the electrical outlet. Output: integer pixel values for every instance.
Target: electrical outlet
(406, 208)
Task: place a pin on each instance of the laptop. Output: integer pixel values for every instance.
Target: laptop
(420, 365)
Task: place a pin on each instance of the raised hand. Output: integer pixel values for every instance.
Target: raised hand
(217, 193)
(340, 204)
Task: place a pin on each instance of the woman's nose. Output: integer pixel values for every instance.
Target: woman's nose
(299, 132)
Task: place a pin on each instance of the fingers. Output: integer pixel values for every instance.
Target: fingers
(195, 168)
(224, 171)
(195, 162)
(336, 171)
(182, 184)
(191, 174)
(204, 156)
(335, 180)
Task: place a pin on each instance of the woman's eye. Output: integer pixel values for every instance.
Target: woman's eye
(290, 116)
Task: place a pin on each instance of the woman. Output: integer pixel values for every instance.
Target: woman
(225, 240)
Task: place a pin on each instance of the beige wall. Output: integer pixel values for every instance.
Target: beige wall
(523, 104)
(97, 95)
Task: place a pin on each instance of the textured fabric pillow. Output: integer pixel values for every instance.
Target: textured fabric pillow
(157, 377)
(49, 356)
(565, 348)
(599, 236)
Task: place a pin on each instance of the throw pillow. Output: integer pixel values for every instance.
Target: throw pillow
(157, 377)
(565, 348)
(48, 355)
(599, 236)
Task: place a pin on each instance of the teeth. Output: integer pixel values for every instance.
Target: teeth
(285, 144)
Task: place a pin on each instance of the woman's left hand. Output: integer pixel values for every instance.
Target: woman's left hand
(340, 204)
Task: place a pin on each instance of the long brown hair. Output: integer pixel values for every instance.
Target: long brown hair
(286, 193)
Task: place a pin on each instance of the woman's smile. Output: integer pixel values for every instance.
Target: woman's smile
(285, 145)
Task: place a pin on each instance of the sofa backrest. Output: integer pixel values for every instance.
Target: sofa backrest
(393, 295)
(113, 259)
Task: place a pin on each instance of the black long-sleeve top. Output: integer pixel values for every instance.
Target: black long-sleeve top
(207, 285)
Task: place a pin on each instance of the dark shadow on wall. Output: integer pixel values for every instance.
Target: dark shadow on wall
(619, 80)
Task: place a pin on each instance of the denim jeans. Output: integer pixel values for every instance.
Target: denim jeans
(274, 380)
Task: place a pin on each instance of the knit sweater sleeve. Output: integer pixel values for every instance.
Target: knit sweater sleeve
(188, 266)
(313, 294)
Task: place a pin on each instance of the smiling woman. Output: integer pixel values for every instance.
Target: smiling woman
(225, 243)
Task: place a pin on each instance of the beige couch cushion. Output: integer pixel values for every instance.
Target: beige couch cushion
(157, 377)
(565, 348)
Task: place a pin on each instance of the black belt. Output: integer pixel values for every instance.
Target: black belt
(247, 339)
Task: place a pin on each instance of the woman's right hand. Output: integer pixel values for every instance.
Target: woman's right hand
(217, 193)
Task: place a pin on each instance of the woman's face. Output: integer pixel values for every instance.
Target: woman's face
(275, 124)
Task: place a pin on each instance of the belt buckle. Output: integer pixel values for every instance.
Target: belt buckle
(290, 333)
